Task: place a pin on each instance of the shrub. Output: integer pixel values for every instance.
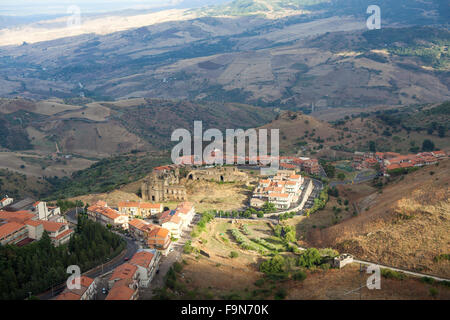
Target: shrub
(245, 243)
(433, 292)
(428, 280)
(280, 294)
(391, 274)
(177, 267)
(260, 282)
(309, 258)
(188, 248)
(233, 254)
(328, 252)
(325, 266)
(266, 244)
(299, 276)
(273, 265)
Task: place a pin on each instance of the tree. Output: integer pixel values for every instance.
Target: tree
(441, 131)
(309, 258)
(233, 254)
(329, 170)
(341, 176)
(300, 275)
(372, 146)
(427, 145)
(273, 265)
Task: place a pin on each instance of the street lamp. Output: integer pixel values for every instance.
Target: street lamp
(107, 259)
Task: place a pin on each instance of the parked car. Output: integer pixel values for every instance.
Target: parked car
(126, 259)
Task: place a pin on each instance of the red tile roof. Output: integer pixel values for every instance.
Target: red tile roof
(63, 234)
(278, 195)
(158, 232)
(142, 259)
(68, 296)
(124, 271)
(33, 223)
(10, 227)
(107, 212)
(288, 166)
(120, 291)
(51, 226)
(17, 216)
(138, 224)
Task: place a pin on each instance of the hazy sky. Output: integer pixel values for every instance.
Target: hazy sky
(28, 7)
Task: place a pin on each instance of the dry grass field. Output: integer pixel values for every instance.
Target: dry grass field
(218, 196)
(39, 164)
(222, 277)
(405, 226)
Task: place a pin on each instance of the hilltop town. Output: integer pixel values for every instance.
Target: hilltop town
(157, 235)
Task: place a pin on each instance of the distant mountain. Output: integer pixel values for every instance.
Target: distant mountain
(315, 52)
(412, 12)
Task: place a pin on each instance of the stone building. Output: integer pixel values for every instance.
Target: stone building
(163, 184)
(219, 174)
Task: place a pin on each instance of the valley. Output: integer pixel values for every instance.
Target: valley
(87, 174)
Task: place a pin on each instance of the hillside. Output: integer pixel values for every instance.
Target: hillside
(323, 55)
(390, 129)
(20, 186)
(57, 137)
(404, 225)
(303, 133)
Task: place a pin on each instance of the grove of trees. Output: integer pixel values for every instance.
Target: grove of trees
(40, 265)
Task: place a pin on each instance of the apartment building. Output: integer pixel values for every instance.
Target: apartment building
(281, 200)
(142, 209)
(156, 237)
(45, 212)
(124, 289)
(59, 232)
(282, 190)
(171, 221)
(146, 262)
(159, 238)
(100, 212)
(87, 290)
(6, 202)
(12, 232)
(19, 226)
(124, 283)
(186, 211)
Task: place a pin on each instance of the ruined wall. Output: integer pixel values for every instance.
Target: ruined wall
(221, 174)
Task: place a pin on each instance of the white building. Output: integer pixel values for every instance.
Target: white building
(281, 200)
(6, 202)
(146, 262)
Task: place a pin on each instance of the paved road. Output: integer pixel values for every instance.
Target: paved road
(412, 273)
(132, 248)
(168, 261)
(71, 215)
